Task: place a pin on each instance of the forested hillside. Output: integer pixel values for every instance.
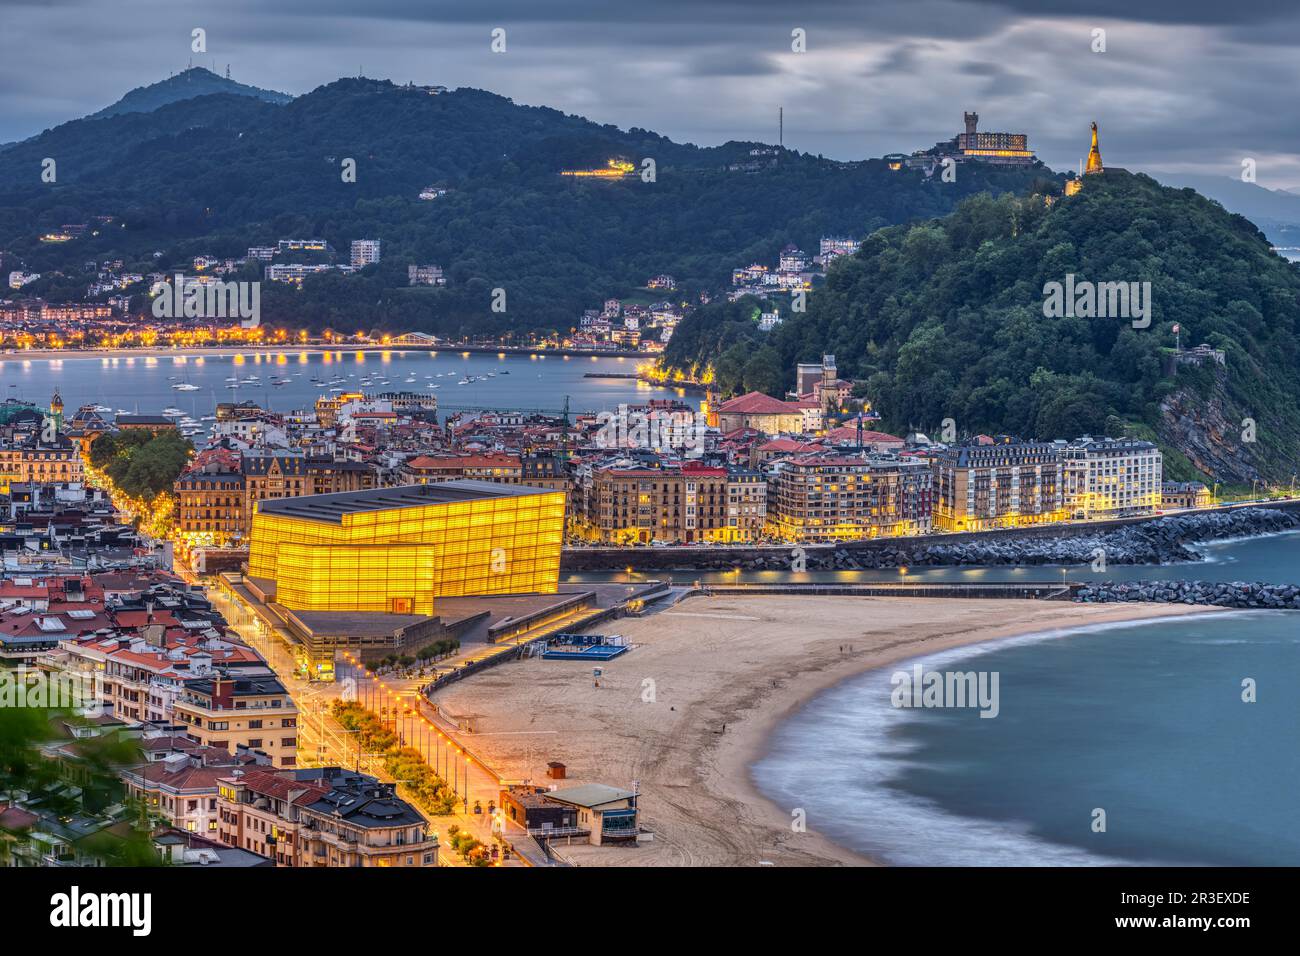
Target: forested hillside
(945, 319)
(215, 174)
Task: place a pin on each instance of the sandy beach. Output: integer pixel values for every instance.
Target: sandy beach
(739, 662)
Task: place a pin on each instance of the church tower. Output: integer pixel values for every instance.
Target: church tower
(1094, 155)
(56, 408)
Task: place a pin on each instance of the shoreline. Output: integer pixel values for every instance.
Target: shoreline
(221, 351)
(726, 671)
(738, 758)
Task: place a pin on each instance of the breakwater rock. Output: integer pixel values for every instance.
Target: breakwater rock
(1238, 594)
(1161, 541)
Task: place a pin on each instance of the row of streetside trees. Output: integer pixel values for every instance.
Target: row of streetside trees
(141, 463)
(404, 763)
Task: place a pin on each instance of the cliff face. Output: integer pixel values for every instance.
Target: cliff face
(1209, 434)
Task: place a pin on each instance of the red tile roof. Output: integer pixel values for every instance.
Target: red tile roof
(756, 403)
(850, 433)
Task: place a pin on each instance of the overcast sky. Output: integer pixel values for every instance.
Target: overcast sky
(1183, 85)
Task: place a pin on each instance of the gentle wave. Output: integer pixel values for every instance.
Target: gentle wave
(807, 766)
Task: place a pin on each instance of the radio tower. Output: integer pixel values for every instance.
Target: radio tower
(780, 127)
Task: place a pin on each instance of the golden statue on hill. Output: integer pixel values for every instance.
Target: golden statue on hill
(1094, 165)
(1094, 155)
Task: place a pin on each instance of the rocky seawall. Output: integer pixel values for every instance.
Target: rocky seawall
(1163, 540)
(1238, 594)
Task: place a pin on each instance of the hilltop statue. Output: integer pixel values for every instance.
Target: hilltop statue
(1094, 155)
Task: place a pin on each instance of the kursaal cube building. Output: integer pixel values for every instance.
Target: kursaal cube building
(397, 550)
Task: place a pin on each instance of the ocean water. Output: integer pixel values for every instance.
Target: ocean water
(1144, 721)
(145, 384)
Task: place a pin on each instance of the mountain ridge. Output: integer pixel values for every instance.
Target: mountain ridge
(216, 174)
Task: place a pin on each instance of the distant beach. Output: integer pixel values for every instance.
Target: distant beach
(690, 709)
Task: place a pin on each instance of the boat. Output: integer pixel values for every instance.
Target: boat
(185, 387)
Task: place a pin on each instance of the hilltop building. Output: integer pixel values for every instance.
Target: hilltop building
(999, 149)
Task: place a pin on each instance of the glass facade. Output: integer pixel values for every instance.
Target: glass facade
(401, 559)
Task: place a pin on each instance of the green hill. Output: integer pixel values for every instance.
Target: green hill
(945, 319)
(185, 85)
(216, 174)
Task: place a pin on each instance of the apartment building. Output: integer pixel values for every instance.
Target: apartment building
(31, 460)
(210, 505)
(323, 817)
(364, 252)
(142, 677)
(272, 475)
(987, 483)
(254, 712)
(829, 496)
(746, 505)
(629, 504)
(183, 787)
(1112, 477)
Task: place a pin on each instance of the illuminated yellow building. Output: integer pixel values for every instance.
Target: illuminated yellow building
(397, 550)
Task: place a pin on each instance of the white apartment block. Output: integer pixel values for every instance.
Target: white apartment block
(364, 252)
(1108, 477)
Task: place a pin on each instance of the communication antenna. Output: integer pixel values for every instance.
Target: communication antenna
(780, 127)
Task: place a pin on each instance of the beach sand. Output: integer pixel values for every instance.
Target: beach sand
(745, 662)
